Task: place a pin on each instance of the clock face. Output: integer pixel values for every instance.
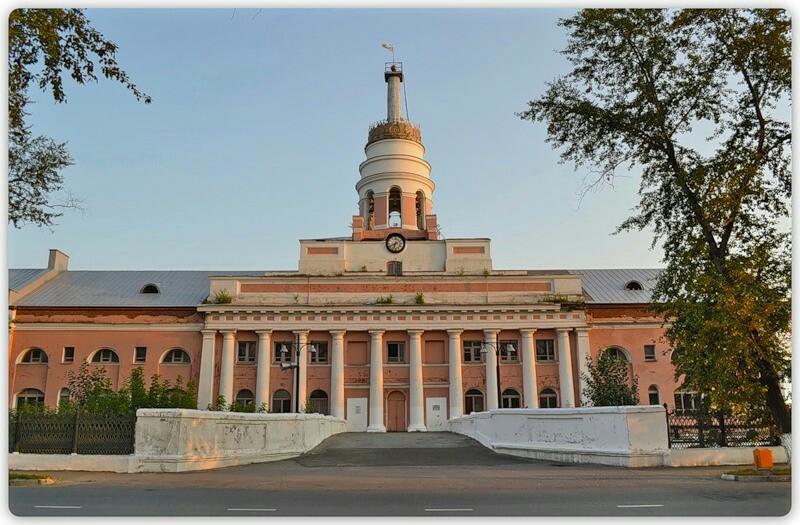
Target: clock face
(395, 243)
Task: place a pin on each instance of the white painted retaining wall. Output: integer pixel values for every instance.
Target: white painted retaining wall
(631, 436)
(179, 440)
(708, 457)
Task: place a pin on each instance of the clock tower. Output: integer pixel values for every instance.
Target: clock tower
(395, 190)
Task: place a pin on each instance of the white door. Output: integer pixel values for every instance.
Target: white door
(356, 416)
(436, 410)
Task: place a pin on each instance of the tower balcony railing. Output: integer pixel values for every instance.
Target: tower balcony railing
(394, 129)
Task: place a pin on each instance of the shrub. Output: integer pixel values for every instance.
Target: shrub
(608, 383)
(419, 298)
(223, 297)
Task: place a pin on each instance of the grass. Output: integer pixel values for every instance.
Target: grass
(15, 475)
(761, 472)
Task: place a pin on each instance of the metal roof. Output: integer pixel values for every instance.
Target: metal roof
(121, 289)
(608, 286)
(19, 279)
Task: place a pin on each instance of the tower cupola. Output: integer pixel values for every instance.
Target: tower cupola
(395, 190)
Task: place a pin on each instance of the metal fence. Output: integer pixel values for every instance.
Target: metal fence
(72, 433)
(710, 430)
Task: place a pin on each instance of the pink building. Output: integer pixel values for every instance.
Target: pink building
(391, 327)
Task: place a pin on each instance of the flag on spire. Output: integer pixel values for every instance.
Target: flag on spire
(389, 47)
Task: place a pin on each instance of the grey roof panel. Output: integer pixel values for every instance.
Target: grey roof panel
(121, 289)
(19, 279)
(608, 286)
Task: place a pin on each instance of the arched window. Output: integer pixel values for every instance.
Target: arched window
(633, 286)
(30, 396)
(653, 395)
(176, 356)
(319, 402)
(395, 200)
(245, 397)
(63, 396)
(510, 399)
(369, 212)
(548, 398)
(618, 353)
(34, 356)
(150, 288)
(473, 401)
(281, 402)
(105, 355)
(677, 354)
(420, 210)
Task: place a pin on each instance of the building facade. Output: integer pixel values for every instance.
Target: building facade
(392, 327)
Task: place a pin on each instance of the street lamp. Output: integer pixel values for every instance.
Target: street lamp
(297, 346)
(496, 347)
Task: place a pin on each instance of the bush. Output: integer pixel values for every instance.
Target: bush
(608, 384)
(223, 297)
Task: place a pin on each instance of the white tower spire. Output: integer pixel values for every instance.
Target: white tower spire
(393, 77)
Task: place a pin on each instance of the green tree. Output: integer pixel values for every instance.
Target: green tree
(608, 382)
(44, 46)
(695, 99)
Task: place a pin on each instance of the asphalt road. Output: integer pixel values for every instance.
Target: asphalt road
(434, 474)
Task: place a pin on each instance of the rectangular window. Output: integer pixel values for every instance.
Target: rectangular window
(69, 354)
(247, 353)
(686, 403)
(321, 355)
(283, 357)
(396, 353)
(509, 351)
(472, 351)
(394, 268)
(140, 354)
(545, 350)
(649, 352)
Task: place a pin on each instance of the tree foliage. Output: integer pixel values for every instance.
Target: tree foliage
(608, 382)
(45, 46)
(696, 99)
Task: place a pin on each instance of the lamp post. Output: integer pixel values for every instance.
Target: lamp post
(496, 348)
(297, 346)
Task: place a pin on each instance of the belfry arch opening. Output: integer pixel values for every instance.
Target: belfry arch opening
(369, 210)
(395, 207)
(420, 201)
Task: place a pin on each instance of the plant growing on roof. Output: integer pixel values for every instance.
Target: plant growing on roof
(223, 296)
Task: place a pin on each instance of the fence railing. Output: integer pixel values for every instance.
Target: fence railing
(710, 430)
(71, 433)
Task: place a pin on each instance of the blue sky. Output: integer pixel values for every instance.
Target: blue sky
(258, 125)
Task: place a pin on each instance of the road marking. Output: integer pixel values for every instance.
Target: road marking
(57, 507)
(636, 506)
(448, 510)
(251, 510)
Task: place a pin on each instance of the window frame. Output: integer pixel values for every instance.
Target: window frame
(650, 392)
(647, 357)
(279, 357)
(287, 401)
(474, 349)
(247, 400)
(507, 396)
(548, 393)
(683, 395)
(250, 350)
(504, 354)
(317, 402)
(172, 352)
(469, 399)
(98, 359)
(71, 357)
(394, 268)
(28, 357)
(136, 359)
(39, 399)
(549, 351)
(401, 352)
(321, 356)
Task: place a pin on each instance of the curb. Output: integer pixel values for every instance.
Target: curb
(731, 477)
(30, 482)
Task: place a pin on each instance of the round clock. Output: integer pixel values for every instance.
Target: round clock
(395, 243)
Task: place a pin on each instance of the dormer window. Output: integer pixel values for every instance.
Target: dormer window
(633, 286)
(150, 288)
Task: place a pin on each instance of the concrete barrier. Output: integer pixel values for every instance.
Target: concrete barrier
(630, 436)
(180, 440)
(707, 457)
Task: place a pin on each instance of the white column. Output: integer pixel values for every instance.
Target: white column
(582, 336)
(417, 423)
(263, 368)
(337, 374)
(565, 382)
(491, 368)
(530, 391)
(376, 383)
(302, 368)
(456, 394)
(226, 371)
(205, 386)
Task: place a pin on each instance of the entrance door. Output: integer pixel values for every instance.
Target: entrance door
(396, 412)
(436, 412)
(356, 414)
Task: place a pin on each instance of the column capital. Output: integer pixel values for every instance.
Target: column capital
(525, 332)
(376, 333)
(455, 332)
(415, 332)
(337, 334)
(300, 332)
(581, 330)
(207, 333)
(230, 332)
(563, 330)
(264, 332)
(491, 331)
